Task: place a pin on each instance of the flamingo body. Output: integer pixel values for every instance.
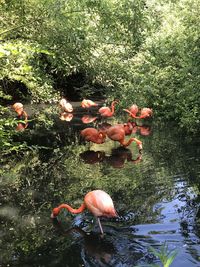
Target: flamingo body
(65, 105)
(93, 135)
(116, 133)
(99, 203)
(86, 103)
(128, 127)
(146, 113)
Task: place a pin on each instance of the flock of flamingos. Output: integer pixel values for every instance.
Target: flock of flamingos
(98, 202)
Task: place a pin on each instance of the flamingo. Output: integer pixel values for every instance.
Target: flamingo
(65, 105)
(98, 202)
(144, 113)
(93, 135)
(106, 111)
(19, 108)
(117, 133)
(86, 103)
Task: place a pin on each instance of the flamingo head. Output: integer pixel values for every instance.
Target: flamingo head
(115, 102)
(146, 112)
(128, 128)
(139, 144)
(102, 136)
(84, 103)
(55, 213)
(19, 108)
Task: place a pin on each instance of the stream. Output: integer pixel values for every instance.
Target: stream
(156, 192)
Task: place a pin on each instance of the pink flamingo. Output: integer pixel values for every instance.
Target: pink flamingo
(117, 133)
(144, 113)
(65, 105)
(19, 109)
(86, 103)
(106, 111)
(98, 202)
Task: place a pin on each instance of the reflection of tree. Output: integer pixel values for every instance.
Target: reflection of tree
(36, 182)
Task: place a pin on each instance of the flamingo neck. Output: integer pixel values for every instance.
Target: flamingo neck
(113, 106)
(141, 117)
(25, 115)
(138, 142)
(132, 115)
(70, 209)
(124, 143)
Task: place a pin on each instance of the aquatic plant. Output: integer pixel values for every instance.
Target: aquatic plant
(164, 255)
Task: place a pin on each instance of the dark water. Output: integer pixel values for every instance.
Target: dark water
(157, 193)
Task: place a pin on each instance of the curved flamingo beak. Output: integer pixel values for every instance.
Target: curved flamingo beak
(139, 144)
(140, 147)
(54, 213)
(53, 216)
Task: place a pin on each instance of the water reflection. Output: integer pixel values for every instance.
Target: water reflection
(119, 156)
(144, 130)
(64, 116)
(92, 157)
(163, 189)
(21, 126)
(88, 119)
(95, 248)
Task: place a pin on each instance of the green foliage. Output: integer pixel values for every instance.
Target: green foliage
(7, 131)
(95, 37)
(18, 65)
(166, 69)
(166, 257)
(144, 52)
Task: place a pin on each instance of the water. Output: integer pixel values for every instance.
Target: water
(157, 193)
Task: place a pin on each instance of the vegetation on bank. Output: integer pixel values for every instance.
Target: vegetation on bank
(143, 51)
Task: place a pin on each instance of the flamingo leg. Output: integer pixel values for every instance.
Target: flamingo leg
(100, 226)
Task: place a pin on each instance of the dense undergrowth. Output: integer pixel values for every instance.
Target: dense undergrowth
(144, 52)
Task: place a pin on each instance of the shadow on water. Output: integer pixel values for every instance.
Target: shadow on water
(155, 192)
